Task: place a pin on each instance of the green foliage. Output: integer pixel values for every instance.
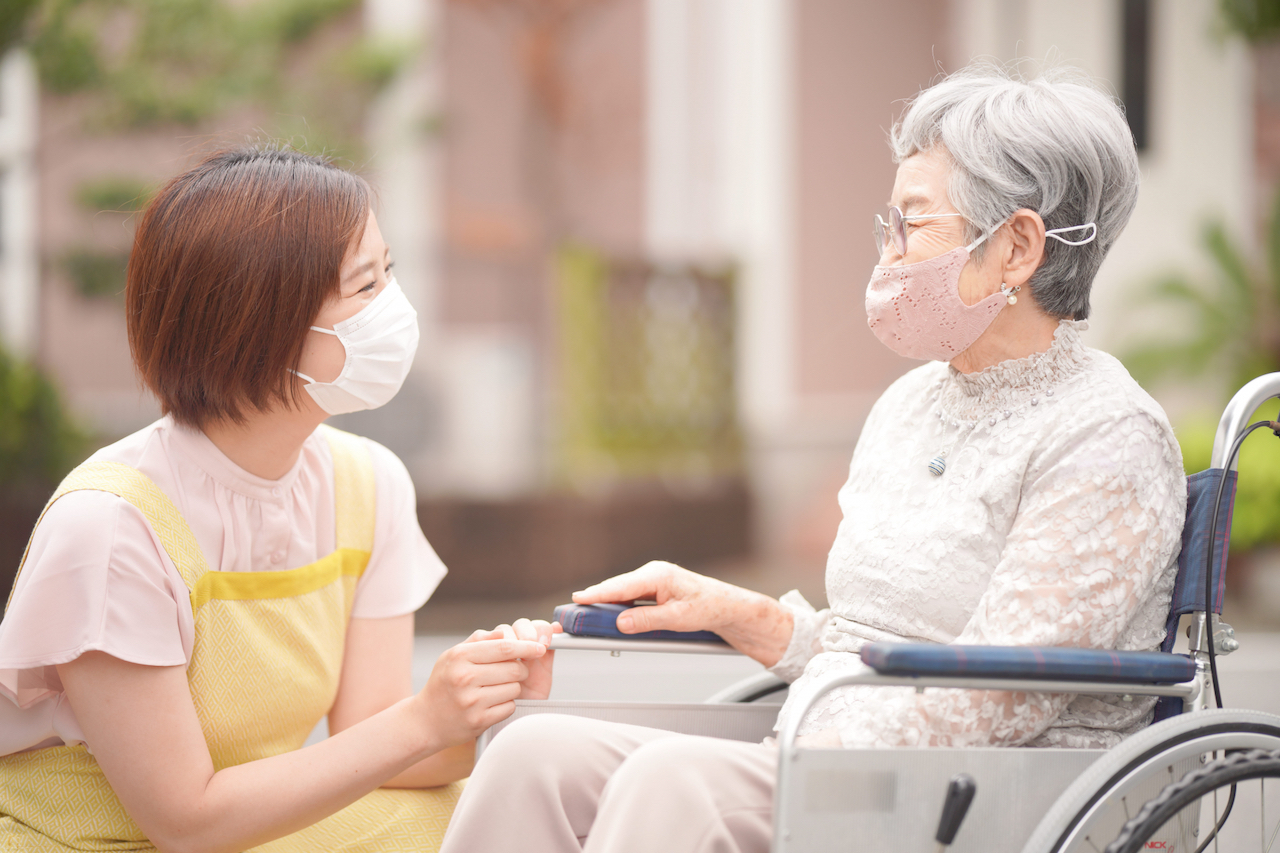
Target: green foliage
(152, 62)
(65, 53)
(1235, 333)
(1234, 316)
(1255, 20)
(292, 21)
(118, 193)
(39, 442)
(376, 62)
(97, 274)
(13, 19)
(1256, 518)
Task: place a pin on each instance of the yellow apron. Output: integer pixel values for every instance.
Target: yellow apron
(264, 670)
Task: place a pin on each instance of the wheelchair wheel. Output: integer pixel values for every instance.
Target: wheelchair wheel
(1095, 808)
(1223, 805)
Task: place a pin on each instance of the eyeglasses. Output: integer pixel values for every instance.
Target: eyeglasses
(896, 228)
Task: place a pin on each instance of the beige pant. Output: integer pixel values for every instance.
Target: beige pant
(557, 784)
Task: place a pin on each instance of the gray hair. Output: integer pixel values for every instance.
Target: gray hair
(1055, 144)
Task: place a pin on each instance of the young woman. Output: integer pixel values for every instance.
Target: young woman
(197, 596)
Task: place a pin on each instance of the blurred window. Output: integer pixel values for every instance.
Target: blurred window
(647, 371)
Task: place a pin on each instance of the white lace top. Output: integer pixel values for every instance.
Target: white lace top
(1057, 522)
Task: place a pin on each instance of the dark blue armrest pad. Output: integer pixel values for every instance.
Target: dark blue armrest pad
(1040, 662)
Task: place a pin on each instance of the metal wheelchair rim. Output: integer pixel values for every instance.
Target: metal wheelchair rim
(1237, 767)
(1225, 735)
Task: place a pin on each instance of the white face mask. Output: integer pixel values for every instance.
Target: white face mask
(380, 341)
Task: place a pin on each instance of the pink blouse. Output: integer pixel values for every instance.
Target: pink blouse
(97, 578)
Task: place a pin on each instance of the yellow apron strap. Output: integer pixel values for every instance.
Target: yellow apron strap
(136, 488)
(354, 504)
(354, 489)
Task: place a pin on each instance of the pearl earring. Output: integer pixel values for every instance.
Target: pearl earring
(1009, 292)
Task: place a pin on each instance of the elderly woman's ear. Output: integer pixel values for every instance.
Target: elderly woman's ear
(1021, 250)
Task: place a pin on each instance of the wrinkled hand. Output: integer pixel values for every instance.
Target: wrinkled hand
(475, 684)
(538, 683)
(754, 624)
(687, 601)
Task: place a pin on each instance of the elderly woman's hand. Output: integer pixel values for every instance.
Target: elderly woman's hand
(754, 624)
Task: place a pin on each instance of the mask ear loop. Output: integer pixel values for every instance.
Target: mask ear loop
(304, 376)
(1093, 233)
(976, 243)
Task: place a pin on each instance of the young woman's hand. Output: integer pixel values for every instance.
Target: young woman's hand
(475, 684)
(538, 684)
(754, 624)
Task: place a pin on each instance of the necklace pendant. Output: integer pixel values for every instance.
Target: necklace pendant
(937, 466)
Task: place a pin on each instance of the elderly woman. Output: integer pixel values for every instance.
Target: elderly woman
(1019, 489)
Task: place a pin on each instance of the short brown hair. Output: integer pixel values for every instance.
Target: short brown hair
(231, 263)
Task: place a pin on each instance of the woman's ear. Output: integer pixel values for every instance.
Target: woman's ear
(1025, 250)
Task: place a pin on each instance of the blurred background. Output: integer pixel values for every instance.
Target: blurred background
(636, 233)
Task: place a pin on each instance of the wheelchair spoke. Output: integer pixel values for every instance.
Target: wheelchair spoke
(1217, 821)
(1175, 816)
(1272, 840)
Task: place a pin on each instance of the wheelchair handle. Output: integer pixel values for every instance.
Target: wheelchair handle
(1235, 417)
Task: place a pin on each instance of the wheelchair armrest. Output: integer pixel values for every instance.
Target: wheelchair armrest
(1186, 690)
(561, 642)
(1039, 662)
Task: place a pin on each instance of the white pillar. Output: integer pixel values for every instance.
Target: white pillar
(404, 168)
(719, 183)
(19, 263)
(404, 156)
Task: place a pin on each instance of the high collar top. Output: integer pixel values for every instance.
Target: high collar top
(1013, 384)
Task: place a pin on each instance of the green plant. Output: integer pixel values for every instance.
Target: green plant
(117, 193)
(375, 62)
(97, 274)
(39, 442)
(13, 18)
(1233, 317)
(1234, 323)
(1256, 517)
(149, 62)
(1255, 20)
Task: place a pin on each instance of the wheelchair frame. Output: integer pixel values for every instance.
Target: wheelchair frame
(836, 799)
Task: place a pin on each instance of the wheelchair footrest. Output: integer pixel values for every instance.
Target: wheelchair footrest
(1042, 662)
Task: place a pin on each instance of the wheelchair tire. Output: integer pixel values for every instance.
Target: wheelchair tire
(1093, 809)
(1180, 804)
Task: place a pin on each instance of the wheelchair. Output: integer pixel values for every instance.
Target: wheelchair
(1195, 780)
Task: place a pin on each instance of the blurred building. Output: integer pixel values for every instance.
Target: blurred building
(684, 138)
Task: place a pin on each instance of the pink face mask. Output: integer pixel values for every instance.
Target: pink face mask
(915, 310)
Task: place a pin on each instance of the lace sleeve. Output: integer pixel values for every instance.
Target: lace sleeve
(1099, 523)
(806, 636)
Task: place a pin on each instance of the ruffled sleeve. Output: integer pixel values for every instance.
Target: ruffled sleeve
(1097, 531)
(404, 569)
(95, 579)
(806, 636)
